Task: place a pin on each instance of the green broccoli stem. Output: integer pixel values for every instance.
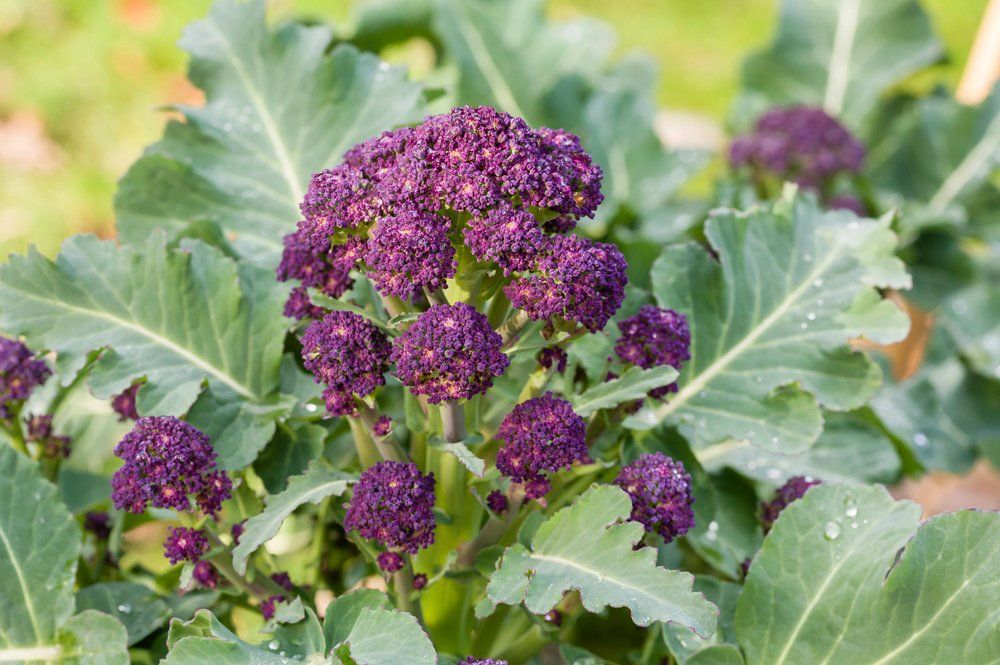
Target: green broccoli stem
(453, 422)
(388, 447)
(14, 433)
(512, 327)
(494, 530)
(222, 561)
(402, 585)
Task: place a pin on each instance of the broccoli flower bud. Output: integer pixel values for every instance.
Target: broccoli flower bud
(410, 251)
(798, 143)
(393, 505)
(124, 403)
(450, 352)
(20, 374)
(349, 354)
(166, 462)
(660, 490)
(793, 490)
(541, 435)
(655, 337)
(575, 279)
(183, 544)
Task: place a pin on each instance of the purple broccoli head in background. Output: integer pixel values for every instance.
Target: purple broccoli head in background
(450, 352)
(393, 505)
(183, 544)
(541, 435)
(349, 354)
(482, 661)
(166, 462)
(655, 337)
(20, 374)
(793, 490)
(124, 403)
(660, 490)
(798, 143)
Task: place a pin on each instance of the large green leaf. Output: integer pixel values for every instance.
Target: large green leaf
(278, 108)
(849, 449)
(177, 317)
(936, 157)
(343, 612)
(39, 546)
(204, 639)
(92, 638)
(388, 637)
(509, 56)
(842, 54)
(770, 321)
(826, 586)
(682, 644)
(633, 384)
(139, 609)
(317, 483)
(588, 547)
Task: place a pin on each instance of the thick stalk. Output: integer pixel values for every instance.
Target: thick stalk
(222, 561)
(436, 297)
(494, 530)
(388, 447)
(16, 437)
(363, 444)
(510, 329)
(393, 305)
(402, 583)
(453, 422)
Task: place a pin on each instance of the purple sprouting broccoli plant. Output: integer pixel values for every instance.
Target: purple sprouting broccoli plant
(168, 463)
(660, 489)
(184, 544)
(540, 436)
(655, 337)
(793, 490)
(800, 144)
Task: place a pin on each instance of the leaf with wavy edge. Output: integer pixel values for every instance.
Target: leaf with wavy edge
(588, 547)
(826, 587)
(842, 55)
(770, 322)
(389, 637)
(318, 482)
(633, 384)
(278, 109)
(177, 317)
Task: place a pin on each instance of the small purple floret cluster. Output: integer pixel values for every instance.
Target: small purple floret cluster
(541, 435)
(574, 279)
(20, 374)
(184, 544)
(124, 403)
(393, 504)
(166, 462)
(482, 661)
(660, 490)
(349, 354)
(450, 352)
(798, 143)
(408, 252)
(51, 445)
(793, 490)
(655, 337)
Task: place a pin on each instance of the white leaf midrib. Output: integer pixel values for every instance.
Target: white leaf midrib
(839, 68)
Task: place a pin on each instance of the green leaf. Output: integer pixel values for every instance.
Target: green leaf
(972, 317)
(460, 449)
(278, 108)
(179, 318)
(318, 482)
(936, 157)
(39, 547)
(204, 639)
(289, 454)
(139, 609)
(389, 637)
(685, 645)
(770, 321)
(573, 655)
(92, 638)
(509, 56)
(733, 534)
(588, 546)
(826, 586)
(721, 654)
(343, 612)
(300, 639)
(849, 449)
(633, 384)
(842, 55)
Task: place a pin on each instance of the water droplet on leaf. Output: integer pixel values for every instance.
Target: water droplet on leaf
(831, 531)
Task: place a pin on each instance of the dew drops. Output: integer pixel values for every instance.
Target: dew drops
(804, 326)
(125, 608)
(811, 316)
(854, 525)
(273, 645)
(807, 257)
(773, 474)
(831, 531)
(758, 379)
(228, 127)
(819, 302)
(818, 282)
(775, 439)
(852, 511)
(920, 439)
(311, 408)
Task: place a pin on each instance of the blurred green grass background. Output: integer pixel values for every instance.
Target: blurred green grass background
(81, 82)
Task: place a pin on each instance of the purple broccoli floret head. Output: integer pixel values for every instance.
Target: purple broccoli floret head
(167, 462)
(450, 352)
(482, 661)
(317, 264)
(183, 544)
(349, 354)
(124, 403)
(655, 337)
(798, 143)
(660, 490)
(205, 575)
(541, 435)
(20, 374)
(410, 251)
(393, 505)
(793, 490)
(575, 279)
